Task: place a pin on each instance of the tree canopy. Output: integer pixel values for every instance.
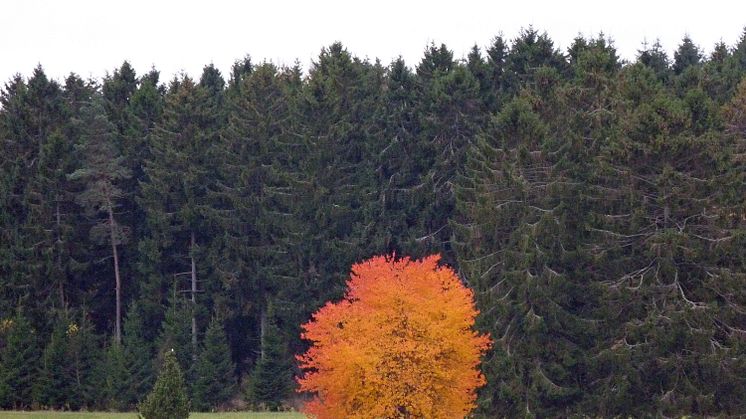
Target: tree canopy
(400, 343)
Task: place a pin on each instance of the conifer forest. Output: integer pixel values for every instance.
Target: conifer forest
(595, 206)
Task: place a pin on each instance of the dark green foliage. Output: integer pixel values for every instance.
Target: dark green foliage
(271, 380)
(520, 255)
(595, 207)
(739, 54)
(82, 357)
(686, 56)
(67, 373)
(656, 59)
(113, 378)
(175, 333)
(53, 385)
(138, 358)
(18, 354)
(335, 188)
(168, 399)
(214, 373)
(659, 264)
(239, 70)
(181, 173)
(529, 52)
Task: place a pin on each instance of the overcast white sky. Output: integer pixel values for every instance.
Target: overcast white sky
(95, 36)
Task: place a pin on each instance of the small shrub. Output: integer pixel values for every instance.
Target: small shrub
(168, 400)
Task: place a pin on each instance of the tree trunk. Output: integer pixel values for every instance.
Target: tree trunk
(263, 333)
(59, 256)
(194, 299)
(112, 231)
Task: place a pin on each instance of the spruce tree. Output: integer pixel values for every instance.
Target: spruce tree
(175, 333)
(398, 163)
(113, 379)
(450, 115)
(19, 354)
(168, 399)
(686, 56)
(530, 51)
(83, 355)
(138, 357)
(655, 58)
(214, 373)
(37, 231)
(336, 192)
(253, 205)
(271, 380)
(659, 237)
(520, 232)
(180, 175)
(716, 79)
(53, 384)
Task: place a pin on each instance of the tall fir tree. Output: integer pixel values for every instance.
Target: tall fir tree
(176, 194)
(657, 239)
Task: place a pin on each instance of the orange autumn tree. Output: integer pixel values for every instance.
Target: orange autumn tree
(400, 344)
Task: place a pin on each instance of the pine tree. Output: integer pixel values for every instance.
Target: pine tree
(520, 227)
(716, 75)
(739, 55)
(450, 115)
(496, 55)
(399, 165)
(214, 373)
(102, 170)
(117, 90)
(168, 399)
(508, 241)
(240, 69)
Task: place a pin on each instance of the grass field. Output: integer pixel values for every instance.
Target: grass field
(106, 415)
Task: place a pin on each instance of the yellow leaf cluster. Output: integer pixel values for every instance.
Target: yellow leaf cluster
(5, 325)
(72, 329)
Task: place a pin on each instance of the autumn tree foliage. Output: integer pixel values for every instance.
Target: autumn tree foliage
(399, 344)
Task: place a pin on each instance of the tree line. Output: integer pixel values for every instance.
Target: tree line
(595, 207)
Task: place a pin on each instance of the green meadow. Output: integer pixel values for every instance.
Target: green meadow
(109, 415)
